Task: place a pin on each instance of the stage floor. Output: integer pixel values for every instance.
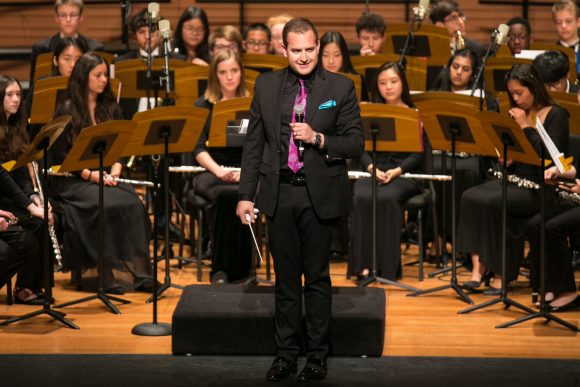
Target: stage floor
(422, 326)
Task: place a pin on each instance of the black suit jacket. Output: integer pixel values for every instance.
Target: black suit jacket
(326, 170)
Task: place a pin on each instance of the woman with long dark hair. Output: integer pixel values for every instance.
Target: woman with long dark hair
(19, 201)
(90, 101)
(191, 36)
(392, 89)
(334, 57)
(479, 229)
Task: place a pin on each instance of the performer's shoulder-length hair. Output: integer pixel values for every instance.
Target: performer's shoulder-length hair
(213, 93)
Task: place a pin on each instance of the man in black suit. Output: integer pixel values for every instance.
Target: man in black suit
(68, 15)
(302, 195)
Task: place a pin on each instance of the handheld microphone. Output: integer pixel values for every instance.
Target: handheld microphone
(422, 11)
(299, 115)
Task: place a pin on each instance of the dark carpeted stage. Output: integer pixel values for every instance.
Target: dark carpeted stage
(168, 371)
(238, 320)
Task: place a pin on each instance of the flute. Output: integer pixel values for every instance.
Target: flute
(144, 183)
(353, 175)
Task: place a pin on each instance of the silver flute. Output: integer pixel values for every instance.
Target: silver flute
(51, 231)
(143, 183)
(353, 175)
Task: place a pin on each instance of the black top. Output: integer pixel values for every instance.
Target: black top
(12, 197)
(229, 156)
(556, 124)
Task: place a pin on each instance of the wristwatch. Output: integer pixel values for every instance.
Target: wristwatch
(317, 140)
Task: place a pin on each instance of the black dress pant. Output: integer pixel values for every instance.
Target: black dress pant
(19, 252)
(300, 244)
(561, 221)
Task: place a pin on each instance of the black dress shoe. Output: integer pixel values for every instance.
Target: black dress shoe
(572, 305)
(472, 284)
(281, 368)
(314, 370)
(491, 291)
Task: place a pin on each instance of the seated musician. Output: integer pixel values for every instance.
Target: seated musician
(19, 243)
(480, 230)
(519, 35)
(392, 89)
(90, 101)
(566, 16)
(68, 15)
(191, 36)
(334, 57)
(65, 55)
(458, 75)
(448, 14)
(257, 39)
(370, 33)
(562, 220)
(554, 69)
(230, 239)
(276, 24)
(140, 32)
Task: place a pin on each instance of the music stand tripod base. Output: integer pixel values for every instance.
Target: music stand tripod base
(152, 329)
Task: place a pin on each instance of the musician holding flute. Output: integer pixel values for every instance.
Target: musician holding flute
(231, 252)
(562, 220)
(390, 87)
(21, 241)
(479, 230)
(89, 100)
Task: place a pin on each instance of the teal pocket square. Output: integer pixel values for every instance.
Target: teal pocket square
(327, 105)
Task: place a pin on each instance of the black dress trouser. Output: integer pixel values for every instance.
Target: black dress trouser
(300, 244)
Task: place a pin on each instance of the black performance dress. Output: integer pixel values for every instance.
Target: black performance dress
(126, 232)
(480, 230)
(231, 240)
(390, 214)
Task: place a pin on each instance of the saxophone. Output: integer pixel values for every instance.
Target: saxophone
(458, 41)
(51, 231)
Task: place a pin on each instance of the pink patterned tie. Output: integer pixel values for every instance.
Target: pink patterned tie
(293, 160)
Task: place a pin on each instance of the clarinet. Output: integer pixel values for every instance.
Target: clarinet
(519, 181)
(571, 197)
(51, 231)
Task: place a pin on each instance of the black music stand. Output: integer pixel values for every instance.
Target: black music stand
(506, 135)
(165, 130)
(543, 311)
(35, 151)
(387, 128)
(98, 146)
(453, 127)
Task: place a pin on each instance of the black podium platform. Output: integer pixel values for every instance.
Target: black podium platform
(236, 320)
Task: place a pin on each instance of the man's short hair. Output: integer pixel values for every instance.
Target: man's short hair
(552, 66)
(440, 9)
(520, 20)
(298, 26)
(371, 22)
(60, 3)
(227, 32)
(258, 27)
(566, 5)
(140, 19)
